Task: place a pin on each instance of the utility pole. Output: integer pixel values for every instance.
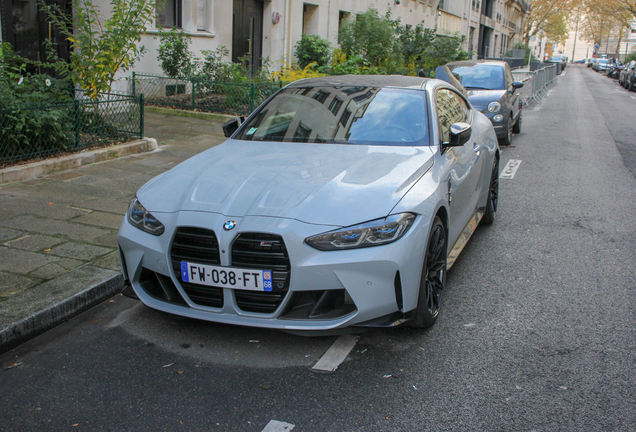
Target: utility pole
(578, 15)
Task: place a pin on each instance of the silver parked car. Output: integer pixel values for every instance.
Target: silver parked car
(492, 90)
(341, 201)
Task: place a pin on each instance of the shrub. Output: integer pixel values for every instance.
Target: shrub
(527, 50)
(289, 73)
(213, 68)
(174, 54)
(372, 38)
(312, 49)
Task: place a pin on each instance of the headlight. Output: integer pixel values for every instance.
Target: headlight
(494, 107)
(497, 118)
(143, 219)
(374, 233)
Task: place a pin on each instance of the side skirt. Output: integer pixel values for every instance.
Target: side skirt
(467, 232)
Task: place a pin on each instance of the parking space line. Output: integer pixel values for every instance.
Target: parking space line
(278, 426)
(510, 169)
(336, 353)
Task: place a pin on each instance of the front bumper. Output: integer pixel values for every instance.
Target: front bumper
(324, 290)
(501, 127)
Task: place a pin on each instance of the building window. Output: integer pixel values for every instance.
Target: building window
(310, 19)
(170, 14)
(342, 18)
(202, 13)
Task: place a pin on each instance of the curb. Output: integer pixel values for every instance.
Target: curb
(55, 314)
(27, 171)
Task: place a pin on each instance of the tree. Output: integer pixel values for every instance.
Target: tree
(100, 48)
(603, 18)
(549, 18)
(372, 37)
(625, 6)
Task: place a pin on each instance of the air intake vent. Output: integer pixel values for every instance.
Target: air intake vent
(197, 245)
(264, 252)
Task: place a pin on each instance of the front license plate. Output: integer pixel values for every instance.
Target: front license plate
(225, 277)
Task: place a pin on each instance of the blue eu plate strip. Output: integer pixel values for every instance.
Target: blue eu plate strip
(267, 281)
(184, 271)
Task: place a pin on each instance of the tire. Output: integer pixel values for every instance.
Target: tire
(493, 196)
(630, 86)
(433, 279)
(516, 128)
(505, 141)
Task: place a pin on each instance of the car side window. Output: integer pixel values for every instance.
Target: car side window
(451, 108)
(509, 78)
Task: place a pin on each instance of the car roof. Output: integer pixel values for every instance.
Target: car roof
(363, 80)
(470, 63)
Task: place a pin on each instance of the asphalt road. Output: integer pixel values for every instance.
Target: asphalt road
(537, 331)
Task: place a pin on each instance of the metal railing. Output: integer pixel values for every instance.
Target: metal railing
(35, 131)
(201, 95)
(536, 84)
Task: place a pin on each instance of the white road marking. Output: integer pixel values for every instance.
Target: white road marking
(277, 426)
(336, 354)
(510, 169)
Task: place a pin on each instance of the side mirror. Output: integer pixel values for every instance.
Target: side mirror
(517, 85)
(459, 134)
(231, 126)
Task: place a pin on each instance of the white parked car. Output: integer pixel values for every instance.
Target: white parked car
(341, 201)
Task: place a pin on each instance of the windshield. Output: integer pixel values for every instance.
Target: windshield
(342, 115)
(481, 76)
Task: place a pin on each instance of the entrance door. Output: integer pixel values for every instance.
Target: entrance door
(26, 28)
(247, 31)
(484, 42)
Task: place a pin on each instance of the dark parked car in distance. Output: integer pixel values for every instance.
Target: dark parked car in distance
(602, 65)
(626, 78)
(491, 90)
(558, 59)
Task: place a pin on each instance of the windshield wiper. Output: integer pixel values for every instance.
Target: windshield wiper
(476, 88)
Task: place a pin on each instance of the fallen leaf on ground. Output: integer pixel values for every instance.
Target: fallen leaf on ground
(13, 365)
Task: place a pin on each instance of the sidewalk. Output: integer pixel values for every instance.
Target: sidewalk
(58, 232)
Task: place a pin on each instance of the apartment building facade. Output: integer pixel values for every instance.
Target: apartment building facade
(491, 27)
(271, 28)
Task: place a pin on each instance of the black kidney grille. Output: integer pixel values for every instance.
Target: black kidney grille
(197, 245)
(263, 252)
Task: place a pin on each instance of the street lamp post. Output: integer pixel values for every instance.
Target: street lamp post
(576, 31)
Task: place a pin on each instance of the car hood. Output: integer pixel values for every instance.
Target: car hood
(331, 184)
(481, 98)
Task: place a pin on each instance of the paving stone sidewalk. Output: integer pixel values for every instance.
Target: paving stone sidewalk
(58, 232)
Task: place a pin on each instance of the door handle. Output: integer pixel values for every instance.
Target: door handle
(476, 147)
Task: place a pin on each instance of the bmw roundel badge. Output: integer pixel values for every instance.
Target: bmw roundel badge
(229, 225)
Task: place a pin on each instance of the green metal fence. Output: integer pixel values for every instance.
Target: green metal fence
(201, 95)
(30, 132)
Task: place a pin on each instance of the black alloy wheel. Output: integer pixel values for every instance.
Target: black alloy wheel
(433, 278)
(517, 126)
(493, 196)
(505, 141)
